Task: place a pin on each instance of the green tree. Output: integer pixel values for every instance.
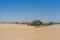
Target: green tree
(36, 23)
(50, 23)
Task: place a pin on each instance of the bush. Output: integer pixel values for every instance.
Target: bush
(47, 24)
(36, 23)
(50, 23)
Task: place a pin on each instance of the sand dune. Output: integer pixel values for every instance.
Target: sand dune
(24, 32)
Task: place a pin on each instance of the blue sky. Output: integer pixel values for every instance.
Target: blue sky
(28, 10)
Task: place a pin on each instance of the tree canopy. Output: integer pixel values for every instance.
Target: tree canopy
(36, 23)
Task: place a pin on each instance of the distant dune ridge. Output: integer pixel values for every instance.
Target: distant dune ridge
(24, 32)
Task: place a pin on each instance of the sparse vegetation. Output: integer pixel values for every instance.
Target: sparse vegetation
(47, 24)
(50, 23)
(36, 23)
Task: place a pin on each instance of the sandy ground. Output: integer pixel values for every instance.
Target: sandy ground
(24, 32)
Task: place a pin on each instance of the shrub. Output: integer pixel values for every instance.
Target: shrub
(50, 23)
(36, 23)
(47, 24)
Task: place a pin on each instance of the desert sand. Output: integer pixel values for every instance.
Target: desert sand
(24, 32)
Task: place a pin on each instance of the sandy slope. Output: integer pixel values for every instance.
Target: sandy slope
(24, 32)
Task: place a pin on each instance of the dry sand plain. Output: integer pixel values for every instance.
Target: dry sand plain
(24, 32)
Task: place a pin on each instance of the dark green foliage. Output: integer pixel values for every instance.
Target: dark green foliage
(47, 24)
(36, 23)
(50, 23)
(16, 23)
